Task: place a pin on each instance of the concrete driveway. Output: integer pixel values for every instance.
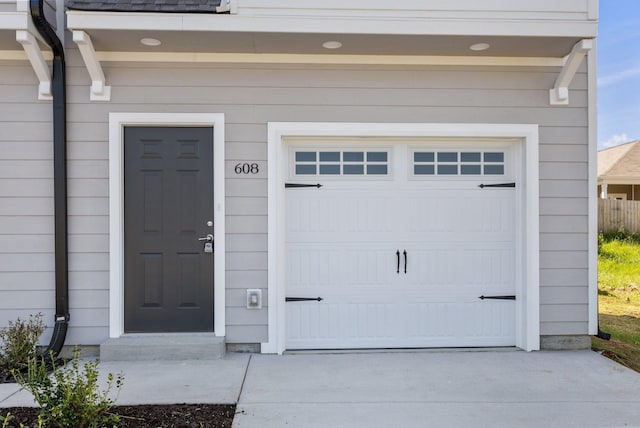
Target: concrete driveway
(439, 389)
(436, 388)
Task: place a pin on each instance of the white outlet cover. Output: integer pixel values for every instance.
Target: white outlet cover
(254, 298)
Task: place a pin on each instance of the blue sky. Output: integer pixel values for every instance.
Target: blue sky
(618, 72)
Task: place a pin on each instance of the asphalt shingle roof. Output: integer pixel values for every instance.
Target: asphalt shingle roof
(176, 6)
(620, 161)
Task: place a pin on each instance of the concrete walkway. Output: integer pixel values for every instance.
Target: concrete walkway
(392, 389)
(163, 382)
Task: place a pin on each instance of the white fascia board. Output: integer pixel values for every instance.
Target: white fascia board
(444, 27)
(19, 21)
(594, 11)
(22, 5)
(14, 21)
(252, 58)
(82, 20)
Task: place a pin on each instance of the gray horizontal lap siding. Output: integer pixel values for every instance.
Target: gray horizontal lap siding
(250, 96)
(49, 8)
(7, 7)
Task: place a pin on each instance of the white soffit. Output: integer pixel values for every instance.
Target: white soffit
(101, 92)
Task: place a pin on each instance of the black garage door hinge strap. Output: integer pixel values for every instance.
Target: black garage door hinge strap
(482, 186)
(300, 185)
(303, 299)
(498, 297)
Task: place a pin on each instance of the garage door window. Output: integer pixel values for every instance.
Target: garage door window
(347, 163)
(458, 163)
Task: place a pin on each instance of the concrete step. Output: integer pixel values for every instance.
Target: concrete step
(170, 346)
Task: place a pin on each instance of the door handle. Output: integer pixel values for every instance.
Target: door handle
(208, 243)
(208, 238)
(398, 262)
(405, 261)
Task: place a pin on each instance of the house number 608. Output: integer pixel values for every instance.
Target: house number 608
(247, 168)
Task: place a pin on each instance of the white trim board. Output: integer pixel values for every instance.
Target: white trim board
(593, 196)
(625, 181)
(152, 21)
(527, 192)
(21, 55)
(267, 58)
(15, 21)
(117, 122)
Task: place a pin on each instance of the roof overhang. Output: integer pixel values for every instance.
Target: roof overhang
(116, 36)
(329, 25)
(208, 33)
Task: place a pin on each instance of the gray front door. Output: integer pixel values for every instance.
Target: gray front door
(168, 205)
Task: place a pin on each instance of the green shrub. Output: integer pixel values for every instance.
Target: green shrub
(619, 235)
(5, 420)
(70, 397)
(9, 417)
(18, 343)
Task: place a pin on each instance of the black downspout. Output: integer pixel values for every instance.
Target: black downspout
(603, 334)
(58, 89)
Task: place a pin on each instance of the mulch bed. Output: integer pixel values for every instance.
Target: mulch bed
(148, 416)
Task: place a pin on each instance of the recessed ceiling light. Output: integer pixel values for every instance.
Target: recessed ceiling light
(480, 47)
(148, 41)
(332, 44)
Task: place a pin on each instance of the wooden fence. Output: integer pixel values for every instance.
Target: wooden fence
(615, 215)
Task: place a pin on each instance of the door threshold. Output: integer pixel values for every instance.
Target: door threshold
(170, 334)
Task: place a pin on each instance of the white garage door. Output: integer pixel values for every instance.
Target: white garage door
(400, 243)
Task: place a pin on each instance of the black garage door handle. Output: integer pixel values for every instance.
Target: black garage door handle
(405, 261)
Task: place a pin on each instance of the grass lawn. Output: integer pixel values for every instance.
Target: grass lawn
(619, 299)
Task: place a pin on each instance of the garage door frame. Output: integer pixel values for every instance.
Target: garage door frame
(527, 209)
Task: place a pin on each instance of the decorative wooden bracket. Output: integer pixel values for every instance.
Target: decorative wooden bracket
(99, 90)
(36, 58)
(559, 95)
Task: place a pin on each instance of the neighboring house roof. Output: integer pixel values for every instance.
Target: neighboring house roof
(178, 6)
(620, 161)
